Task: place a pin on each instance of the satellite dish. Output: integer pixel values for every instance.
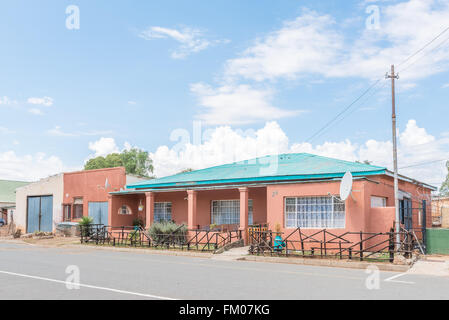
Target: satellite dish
(346, 186)
(106, 184)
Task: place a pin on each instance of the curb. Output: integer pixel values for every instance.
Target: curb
(146, 251)
(328, 263)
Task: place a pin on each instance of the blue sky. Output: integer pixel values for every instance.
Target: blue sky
(134, 73)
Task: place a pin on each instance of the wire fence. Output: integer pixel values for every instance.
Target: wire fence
(348, 245)
(180, 239)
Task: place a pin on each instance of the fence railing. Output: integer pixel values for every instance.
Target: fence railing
(326, 244)
(181, 238)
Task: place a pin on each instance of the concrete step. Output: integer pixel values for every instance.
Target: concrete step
(4, 231)
(232, 254)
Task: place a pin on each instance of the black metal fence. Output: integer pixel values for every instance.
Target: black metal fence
(180, 239)
(325, 244)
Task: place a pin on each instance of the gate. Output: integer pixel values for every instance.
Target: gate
(40, 214)
(99, 212)
(414, 220)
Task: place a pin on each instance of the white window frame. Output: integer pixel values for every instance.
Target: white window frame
(236, 205)
(127, 209)
(310, 217)
(377, 198)
(166, 215)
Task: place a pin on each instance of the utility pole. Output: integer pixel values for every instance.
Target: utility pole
(393, 77)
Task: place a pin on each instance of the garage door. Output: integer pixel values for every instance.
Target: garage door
(40, 214)
(99, 212)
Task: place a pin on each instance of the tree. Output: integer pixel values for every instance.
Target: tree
(135, 161)
(444, 190)
(186, 170)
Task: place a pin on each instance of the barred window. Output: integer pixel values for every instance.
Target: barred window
(162, 211)
(314, 212)
(228, 212)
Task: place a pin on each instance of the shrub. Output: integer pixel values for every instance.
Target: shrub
(84, 224)
(168, 231)
(137, 222)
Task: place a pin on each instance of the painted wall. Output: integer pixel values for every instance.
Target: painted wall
(49, 186)
(438, 241)
(359, 214)
(179, 205)
(90, 185)
(269, 203)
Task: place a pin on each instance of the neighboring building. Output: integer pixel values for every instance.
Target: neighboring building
(8, 198)
(440, 212)
(38, 205)
(289, 190)
(42, 205)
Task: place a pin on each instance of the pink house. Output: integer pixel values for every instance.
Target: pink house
(285, 191)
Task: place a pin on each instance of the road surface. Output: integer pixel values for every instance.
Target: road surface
(36, 272)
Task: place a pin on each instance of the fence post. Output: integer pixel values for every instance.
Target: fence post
(324, 240)
(339, 247)
(350, 253)
(361, 246)
(391, 246)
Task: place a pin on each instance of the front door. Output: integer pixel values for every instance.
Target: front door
(40, 214)
(99, 212)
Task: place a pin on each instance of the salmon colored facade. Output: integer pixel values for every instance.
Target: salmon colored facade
(92, 186)
(193, 206)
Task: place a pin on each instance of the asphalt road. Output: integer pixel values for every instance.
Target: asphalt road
(34, 272)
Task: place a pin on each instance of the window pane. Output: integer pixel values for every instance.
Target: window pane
(314, 212)
(162, 211)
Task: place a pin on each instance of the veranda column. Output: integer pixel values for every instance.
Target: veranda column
(110, 223)
(244, 213)
(149, 209)
(191, 198)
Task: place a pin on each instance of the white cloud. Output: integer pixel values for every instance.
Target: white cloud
(103, 147)
(307, 44)
(29, 167)
(313, 44)
(57, 131)
(44, 101)
(4, 130)
(7, 101)
(191, 40)
(225, 145)
(35, 111)
(239, 104)
(445, 86)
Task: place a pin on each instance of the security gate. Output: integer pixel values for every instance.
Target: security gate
(406, 212)
(40, 214)
(99, 212)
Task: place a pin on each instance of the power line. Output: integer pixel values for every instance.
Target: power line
(344, 110)
(426, 54)
(331, 122)
(425, 46)
(423, 163)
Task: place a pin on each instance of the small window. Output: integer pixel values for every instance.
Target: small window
(125, 210)
(378, 202)
(77, 208)
(67, 212)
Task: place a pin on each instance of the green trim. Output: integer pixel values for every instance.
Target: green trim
(254, 179)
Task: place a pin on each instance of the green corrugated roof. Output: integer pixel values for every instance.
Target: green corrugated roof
(284, 167)
(8, 190)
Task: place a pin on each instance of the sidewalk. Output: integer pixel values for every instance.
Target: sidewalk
(435, 265)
